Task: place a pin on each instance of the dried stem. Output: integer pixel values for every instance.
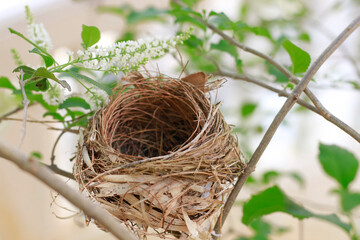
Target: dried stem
(293, 97)
(45, 175)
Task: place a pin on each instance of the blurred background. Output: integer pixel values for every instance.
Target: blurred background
(27, 207)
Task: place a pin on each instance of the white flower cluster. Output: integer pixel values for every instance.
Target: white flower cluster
(128, 55)
(55, 95)
(96, 98)
(38, 34)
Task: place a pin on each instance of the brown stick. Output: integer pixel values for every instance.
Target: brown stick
(291, 100)
(50, 179)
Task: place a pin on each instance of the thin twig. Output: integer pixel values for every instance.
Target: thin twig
(294, 96)
(59, 171)
(26, 104)
(104, 218)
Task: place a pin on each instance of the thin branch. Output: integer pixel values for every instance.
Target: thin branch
(104, 218)
(294, 96)
(59, 171)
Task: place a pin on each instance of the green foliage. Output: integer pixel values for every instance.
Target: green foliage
(225, 46)
(349, 200)
(5, 83)
(74, 102)
(90, 35)
(75, 74)
(274, 200)
(248, 109)
(48, 59)
(338, 163)
(299, 58)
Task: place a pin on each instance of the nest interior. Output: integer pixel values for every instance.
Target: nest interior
(159, 155)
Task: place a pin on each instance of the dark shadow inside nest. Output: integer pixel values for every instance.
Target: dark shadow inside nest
(154, 122)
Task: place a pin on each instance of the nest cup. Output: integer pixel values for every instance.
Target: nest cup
(160, 156)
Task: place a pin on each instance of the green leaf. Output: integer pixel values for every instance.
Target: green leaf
(239, 65)
(247, 109)
(74, 102)
(280, 77)
(39, 98)
(222, 21)
(349, 200)
(274, 200)
(338, 163)
(25, 69)
(42, 72)
(55, 116)
(29, 41)
(299, 58)
(49, 60)
(36, 154)
(79, 76)
(270, 176)
(5, 83)
(148, 14)
(187, 15)
(42, 85)
(90, 35)
(225, 46)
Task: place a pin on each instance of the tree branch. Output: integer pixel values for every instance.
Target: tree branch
(293, 97)
(50, 179)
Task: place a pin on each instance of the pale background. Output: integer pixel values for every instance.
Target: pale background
(25, 211)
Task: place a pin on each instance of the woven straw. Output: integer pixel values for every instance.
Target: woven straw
(160, 156)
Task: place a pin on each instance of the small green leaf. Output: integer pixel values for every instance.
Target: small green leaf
(280, 77)
(25, 69)
(270, 176)
(221, 20)
(5, 83)
(42, 85)
(42, 72)
(148, 14)
(349, 200)
(74, 102)
(55, 116)
(36, 154)
(90, 35)
(247, 109)
(79, 76)
(39, 98)
(338, 163)
(49, 60)
(239, 65)
(299, 58)
(225, 46)
(274, 200)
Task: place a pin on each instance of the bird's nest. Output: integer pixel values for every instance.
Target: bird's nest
(160, 156)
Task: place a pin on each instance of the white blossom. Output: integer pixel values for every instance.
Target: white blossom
(55, 95)
(36, 31)
(96, 98)
(128, 55)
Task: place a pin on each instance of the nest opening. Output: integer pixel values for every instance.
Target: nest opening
(158, 125)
